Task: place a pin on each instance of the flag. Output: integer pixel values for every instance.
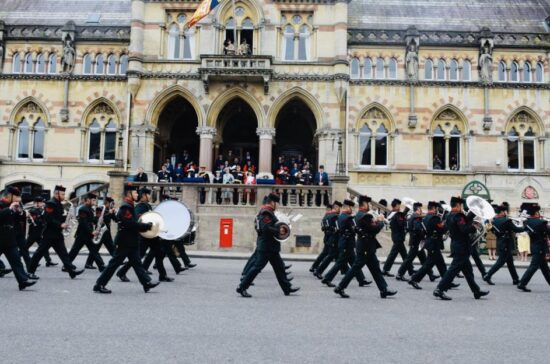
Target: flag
(203, 10)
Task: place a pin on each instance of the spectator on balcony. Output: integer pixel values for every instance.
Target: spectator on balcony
(294, 172)
(238, 174)
(229, 48)
(218, 179)
(220, 162)
(163, 175)
(453, 163)
(190, 170)
(321, 177)
(282, 176)
(203, 174)
(248, 157)
(244, 48)
(169, 166)
(141, 176)
(437, 164)
(227, 180)
(186, 158)
(307, 176)
(249, 194)
(179, 173)
(249, 167)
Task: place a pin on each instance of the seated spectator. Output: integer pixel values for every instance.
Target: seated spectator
(163, 175)
(169, 166)
(141, 176)
(178, 173)
(220, 162)
(238, 174)
(249, 167)
(190, 170)
(282, 176)
(203, 174)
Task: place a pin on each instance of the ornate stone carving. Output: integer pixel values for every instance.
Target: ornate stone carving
(486, 62)
(68, 58)
(31, 108)
(102, 108)
(447, 115)
(522, 118)
(530, 193)
(411, 58)
(206, 130)
(265, 132)
(374, 113)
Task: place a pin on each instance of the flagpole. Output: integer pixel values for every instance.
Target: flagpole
(234, 26)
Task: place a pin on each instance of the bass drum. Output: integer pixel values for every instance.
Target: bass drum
(178, 220)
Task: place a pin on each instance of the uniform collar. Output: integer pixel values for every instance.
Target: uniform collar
(129, 201)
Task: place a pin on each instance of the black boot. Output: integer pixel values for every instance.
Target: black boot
(439, 293)
(415, 284)
(387, 293)
(101, 289)
(478, 295)
(243, 292)
(341, 292)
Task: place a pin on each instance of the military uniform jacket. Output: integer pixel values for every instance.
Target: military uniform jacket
(435, 229)
(346, 232)
(107, 219)
(460, 227)
(86, 221)
(7, 225)
(128, 227)
(266, 229)
(332, 240)
(367, 229)
(53, 218)
(326, 228)
(398, 226)
(538, 233)
(416, 231)
(504, 230)
(20, 224)
(36, 228)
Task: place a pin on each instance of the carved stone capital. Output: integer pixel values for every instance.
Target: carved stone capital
(265, 133)
(206, 131)
(329, 133)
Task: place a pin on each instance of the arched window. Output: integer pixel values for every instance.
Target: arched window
(38, 139)
(354, 68)
(288, 47)
(87, 64)
(365, 136)
(28, 63)
(23, 139)
(381, 146)
(52, 64)
(428, 70)
(373, 139)
(16, 63)
(502, 71)
(94, 141)
(392, 69)
(441, 70)
(174, 42)
(514, 72)
(40, 63)
(380, 74)
(466, 71)
(526, 72)
(539, 73)
(123, 64)
(189, 44)
(99, 65)
(111, 65)
(453, 70)
(110, 142)
(367, 70)
(447, 132)
(303, 43)
(521, 134)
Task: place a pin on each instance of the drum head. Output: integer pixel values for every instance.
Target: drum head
(178, 220)
(158, 224)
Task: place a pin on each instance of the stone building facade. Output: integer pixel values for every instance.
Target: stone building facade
(425, 96)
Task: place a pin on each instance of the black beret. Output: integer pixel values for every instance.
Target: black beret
(498, 209)
(349, 203)
(417, 205)
(130, 187)
(273, 197)
(505, 206)
(59, 188)
(383, 202)
(91, 196)
(395, 202)
(38, 199)
(51, 203)
(533, 208)
(364, 199)
(337, 203)
(455, 200)
(524, 206)
(433, 205)
(13, 190)
(144, 190)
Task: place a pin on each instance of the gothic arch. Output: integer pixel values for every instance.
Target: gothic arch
(96, 102)
(225, 11)
(375, 105)
(163, 98)
(18, 107)
(233, 93)
(535, 117)
(449, 107)
(302, 95)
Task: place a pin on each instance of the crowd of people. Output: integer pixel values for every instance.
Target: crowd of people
(298, 171)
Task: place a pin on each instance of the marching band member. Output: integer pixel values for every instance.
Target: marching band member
(326, 234)
(460, 227)
(538, 231)
(127, 244)
(107, 238)
(398, 226)
(367, 229)
(53, 235)
(332, 240)
(504, 229)
(36, 226)
(9, 203)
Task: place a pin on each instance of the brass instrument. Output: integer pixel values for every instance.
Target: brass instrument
(482, 211)
(100, 227)
(70, 219)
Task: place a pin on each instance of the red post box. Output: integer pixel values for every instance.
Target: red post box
(226, 233)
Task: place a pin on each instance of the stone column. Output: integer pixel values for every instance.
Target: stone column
(339, 188)
(327, 139)
(142, 148)
(116, 184)
(206, 134)
(266, 145)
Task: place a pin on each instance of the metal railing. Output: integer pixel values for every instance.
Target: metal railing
(236, 62)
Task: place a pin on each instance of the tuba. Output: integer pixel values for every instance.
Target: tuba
(482, 211)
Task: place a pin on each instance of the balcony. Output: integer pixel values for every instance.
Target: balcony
(235, 69)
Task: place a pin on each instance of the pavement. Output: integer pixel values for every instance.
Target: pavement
(200, 319)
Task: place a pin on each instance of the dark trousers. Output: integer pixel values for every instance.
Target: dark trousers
(58, 245)
(106, 240)
(183, 255)
(134, 260)
(79, 243)
(435, 258)
(23, 250)
(460, 263)
(407, 265)
(477, 260)
(2, 265)
(324, 253)
(398, 247)
(142, 251)
(31, 239)
(156, 253)
(345, 259)
(504, 257)
(249, 263)
(538, 261)
(261, 260)
(12, 255)
(331, 256)
(371, 261)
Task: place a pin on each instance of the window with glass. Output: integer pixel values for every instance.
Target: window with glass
(526, 72)
(38, 137)
(123, 64)
(514, 72)
(539, 73)
(102, 134)
(40, 63)
(99, 64)
(94, 141)
(441, 70)
(502, 71)
(439, 149)
(354, 68)
(173, 42)
(365, 136)
(28, 63)
(110, 141)
(447, 135)
(52, 64)
(303, 43)
(87, 64)
(16, 63)
(521, 140)
(373, 139)
(428, 69)
(380, 73)
(297, 33)
(288, 46)
(23, 139)
(392, 69)
(453, 70)
(513, 149)
(367, 69)
(111, 64)
(466, 71)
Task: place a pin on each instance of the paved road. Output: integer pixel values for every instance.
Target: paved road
(200, 319)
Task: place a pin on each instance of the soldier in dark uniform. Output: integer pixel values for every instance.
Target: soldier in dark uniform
(85, 232)
(53, 235)
(20, 233)
(268, 249)
(332, 241)
(326, 234)
(367, 229)
(107, 238)
(398, 226)
(346, 247)
(435, 229)
(36, 227)
(460, 227)
(538, 231)
(504, 229)
(10, 201)
(127, 244)
(416, 235)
